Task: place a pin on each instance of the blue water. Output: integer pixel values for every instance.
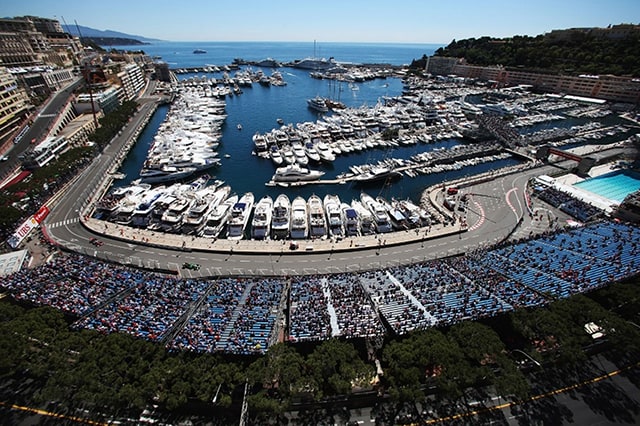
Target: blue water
(258, 108)
(180, 54)
(613, 186)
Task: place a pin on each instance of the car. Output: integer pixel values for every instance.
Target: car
(452, 190)
(96, 242)
(4, 158)
(191, 266)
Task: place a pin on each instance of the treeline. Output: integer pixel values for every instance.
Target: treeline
(45, 363)
(579, 54)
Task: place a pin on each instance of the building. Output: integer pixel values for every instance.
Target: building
(132, 81)
(106, 100)
(14, 104)
(78, 130)
(45, 152)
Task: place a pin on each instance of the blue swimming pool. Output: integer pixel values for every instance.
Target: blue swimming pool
(613, 186)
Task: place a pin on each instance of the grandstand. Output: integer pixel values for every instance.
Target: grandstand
(242, 315)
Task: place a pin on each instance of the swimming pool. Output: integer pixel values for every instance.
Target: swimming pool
(613, 186)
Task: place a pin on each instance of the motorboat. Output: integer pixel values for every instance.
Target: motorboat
(217, 218)
(206, 200)
(317, 104)
(378, 173)
(276, 156)
(165, 174)
(288, 155)
(334, 215)
(300, 154)
(261, 222)
(239, 219)
(260, 142)
(299, 220)
(312, 152)
(295, 173)
(367, 221)
(396, 215)
(350, 219)
(317, 218)
(325, 152)
(281, 218)
(172, 217)
(380, 215)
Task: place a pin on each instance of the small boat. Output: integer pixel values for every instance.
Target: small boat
(239, 126)
(288, 155)
(240, 217)
(325, 152)
(312, 152)
(295, 173)
(281, 218)
(280, 121)
(199, 51)
(276, 156)
(260, 142)
(261, 222)
(299, 220)
(300, 154)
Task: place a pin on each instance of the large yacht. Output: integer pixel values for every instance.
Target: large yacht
(295, 173)
(317, 218)
(240, 217)
(206, 200)
(261, 222)
(334, 215)
(281, 218)
(299, 221)
(217, 218)
(325, 152)
(317, 104)
(380, 215)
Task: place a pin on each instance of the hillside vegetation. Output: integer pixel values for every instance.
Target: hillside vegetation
(579, 54)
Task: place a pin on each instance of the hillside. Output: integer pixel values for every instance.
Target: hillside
(93, 33)
(577, 53)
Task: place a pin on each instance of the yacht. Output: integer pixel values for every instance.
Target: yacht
(295, 173)
(172, 217)
(239, 219)
(377, 173)
(350, 219)
(299, 221)
(367, 222)
(317, 218)
(260, 142)
(165, 174)
(334, 215)
(326, 154)
(217, 218)
(281, 218)
(300, 154)
(396, 215)
(142, 213)
(416, 215)
(317, 104)
(276, 156)
(312, 152)
(206, 200)
(261, 222)
(380, 215)
(288, 155)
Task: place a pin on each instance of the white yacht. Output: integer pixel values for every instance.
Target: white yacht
(239, 219)
(295, 173)
(261, 222)
(325, 152)
(317, 218)
(172, 217)
(276, 156)
(334, 215)
(299, 221)
(318, 104)
(288, 155)
(312, 152)
(396, 215)
(367, 221)
(142, 213)
(350, 219)
(218, 217)
(380, 215)
(259, 142)
(206, 200)
(300, 154)
(281, 218)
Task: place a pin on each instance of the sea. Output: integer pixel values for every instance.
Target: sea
(258, 108)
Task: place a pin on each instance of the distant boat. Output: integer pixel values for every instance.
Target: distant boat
(199, 51)
(239, 126)
(317, 104)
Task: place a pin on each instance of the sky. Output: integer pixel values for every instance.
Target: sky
(393, 21)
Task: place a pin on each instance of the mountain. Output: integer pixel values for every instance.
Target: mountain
(104, 34)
